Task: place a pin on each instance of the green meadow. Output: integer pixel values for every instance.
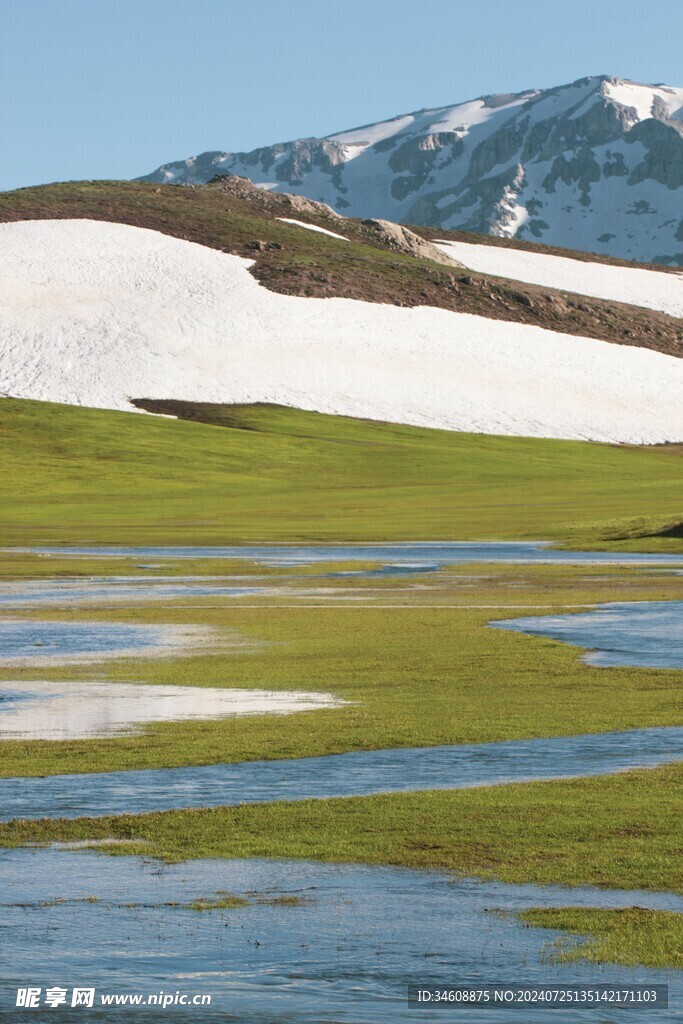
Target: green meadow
(74, 475)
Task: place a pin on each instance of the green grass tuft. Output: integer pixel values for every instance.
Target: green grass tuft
(632, 936)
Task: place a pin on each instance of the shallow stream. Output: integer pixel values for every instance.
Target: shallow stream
(354, 774)
(345, 952)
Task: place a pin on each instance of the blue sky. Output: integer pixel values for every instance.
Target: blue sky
(112, 88)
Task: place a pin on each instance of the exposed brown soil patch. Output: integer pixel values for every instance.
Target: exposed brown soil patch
(216, 414)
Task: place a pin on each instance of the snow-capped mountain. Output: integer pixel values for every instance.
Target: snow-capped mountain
(595, 165)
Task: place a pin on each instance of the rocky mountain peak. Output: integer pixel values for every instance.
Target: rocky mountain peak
(596, 165)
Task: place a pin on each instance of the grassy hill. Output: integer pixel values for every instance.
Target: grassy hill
(268, 473)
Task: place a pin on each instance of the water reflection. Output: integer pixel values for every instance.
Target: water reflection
(34, 642)
(65, 710)
(429, 554)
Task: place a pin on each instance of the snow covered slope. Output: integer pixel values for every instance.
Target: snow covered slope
(648, 288)
(98, 313)
(596, 165)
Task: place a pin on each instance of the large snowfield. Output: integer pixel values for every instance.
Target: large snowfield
(653, 289)
(96, 313)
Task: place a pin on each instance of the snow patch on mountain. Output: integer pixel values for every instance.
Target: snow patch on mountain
(641, 98)
(638, 287)
(98, 313)
(359, 139)
(311, 227)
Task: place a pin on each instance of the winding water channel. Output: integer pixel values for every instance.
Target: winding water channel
(356, 774)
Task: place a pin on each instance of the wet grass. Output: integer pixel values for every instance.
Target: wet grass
(231, 901)
(58, 901)
(225, 902)
(282, 475)
(632, 936)
(25, 566)
(417, 668)
(220, 901)
(619, 831)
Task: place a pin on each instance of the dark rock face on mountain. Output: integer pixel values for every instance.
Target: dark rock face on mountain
(595, 165)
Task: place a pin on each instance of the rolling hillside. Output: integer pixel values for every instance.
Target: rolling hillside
(265, 473)
(101, 314)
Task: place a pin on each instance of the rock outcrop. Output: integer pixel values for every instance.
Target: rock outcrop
(400, 239)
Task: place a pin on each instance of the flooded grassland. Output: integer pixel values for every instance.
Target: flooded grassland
(215, 699)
